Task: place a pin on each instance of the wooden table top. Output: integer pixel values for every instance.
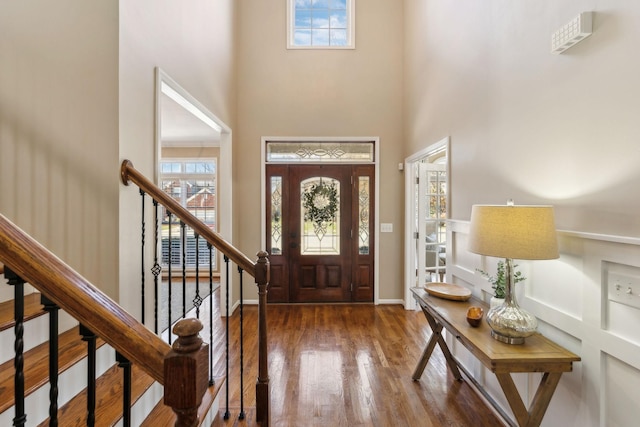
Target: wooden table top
(537, 354)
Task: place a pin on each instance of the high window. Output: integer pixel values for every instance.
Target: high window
(325, 24)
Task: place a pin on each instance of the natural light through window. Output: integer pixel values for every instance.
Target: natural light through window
(326, 24)
(192, 183)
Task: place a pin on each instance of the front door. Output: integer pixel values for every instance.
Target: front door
(319, 233)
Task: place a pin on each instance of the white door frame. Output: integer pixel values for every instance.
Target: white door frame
(409, 211)
(225, 181)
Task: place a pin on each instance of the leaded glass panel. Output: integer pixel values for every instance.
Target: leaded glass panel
(363, 215)
(276, 215)
(320, 216)
(320, 152)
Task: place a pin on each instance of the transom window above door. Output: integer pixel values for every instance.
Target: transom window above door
(324, 24)
(320, 152)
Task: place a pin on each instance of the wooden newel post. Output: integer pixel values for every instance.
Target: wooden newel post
(262, 384)
(186, 372)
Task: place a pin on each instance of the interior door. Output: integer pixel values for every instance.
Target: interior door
(426, 212)
(431, 214)
(319, 226)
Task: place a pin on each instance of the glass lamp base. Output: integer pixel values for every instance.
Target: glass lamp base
(511, 324)
(506, 339)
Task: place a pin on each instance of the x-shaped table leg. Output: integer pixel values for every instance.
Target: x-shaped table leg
(436, 338)
(533, 416)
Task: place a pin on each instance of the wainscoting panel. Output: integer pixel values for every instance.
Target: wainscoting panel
(621, 399)
(583, 303)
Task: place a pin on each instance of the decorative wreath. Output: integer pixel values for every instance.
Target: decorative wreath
(320, 204)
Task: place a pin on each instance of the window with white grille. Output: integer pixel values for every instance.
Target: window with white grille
(324, 24)
(193, 184)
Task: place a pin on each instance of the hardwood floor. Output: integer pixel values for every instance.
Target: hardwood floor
(350, 365)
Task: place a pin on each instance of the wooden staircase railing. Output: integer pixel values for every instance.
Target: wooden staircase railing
(130, 174)
(260, 270)
(86, 303)
(180, 368)
(25, 260)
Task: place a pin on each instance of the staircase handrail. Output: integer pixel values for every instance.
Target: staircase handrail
(129, 173)
(260, 270)
(77, 296)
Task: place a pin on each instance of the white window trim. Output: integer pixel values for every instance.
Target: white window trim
(351, 30)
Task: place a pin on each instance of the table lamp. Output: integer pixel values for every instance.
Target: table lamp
(512, 232)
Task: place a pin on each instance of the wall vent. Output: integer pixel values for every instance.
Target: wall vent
(571, 33)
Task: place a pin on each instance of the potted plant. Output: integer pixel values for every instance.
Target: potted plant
(499, 282)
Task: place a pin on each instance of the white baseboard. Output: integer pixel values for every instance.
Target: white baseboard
(390, 301)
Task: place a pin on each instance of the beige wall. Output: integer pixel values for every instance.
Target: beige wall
(321, 93)
(59, 129)
(524, 123)
(77, 97)
(194, 45)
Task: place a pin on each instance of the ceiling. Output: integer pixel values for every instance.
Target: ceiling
(181, 127)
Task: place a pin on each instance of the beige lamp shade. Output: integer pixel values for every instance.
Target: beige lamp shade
(516, 232)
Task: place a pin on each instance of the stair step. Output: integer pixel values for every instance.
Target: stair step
(234, 421)
(163, 415)
(36, 365)
(108, 399)
(32, 309)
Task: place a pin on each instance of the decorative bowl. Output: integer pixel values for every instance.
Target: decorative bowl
(474, 315)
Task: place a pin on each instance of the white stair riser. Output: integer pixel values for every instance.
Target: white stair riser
(36, 331)
(7, 292)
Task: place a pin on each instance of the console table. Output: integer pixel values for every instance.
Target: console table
(537, 354)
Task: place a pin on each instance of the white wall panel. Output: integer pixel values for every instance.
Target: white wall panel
(621, 385)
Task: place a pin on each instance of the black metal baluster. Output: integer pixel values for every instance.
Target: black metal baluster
(18, 291)
(142, 256)
(53, 310)
(125, 364)
(156, 270)
(227, 414)
(211, 381)
(241, 416)
(169, 282)
(183, 234)
(90, 338)
(197, 300)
